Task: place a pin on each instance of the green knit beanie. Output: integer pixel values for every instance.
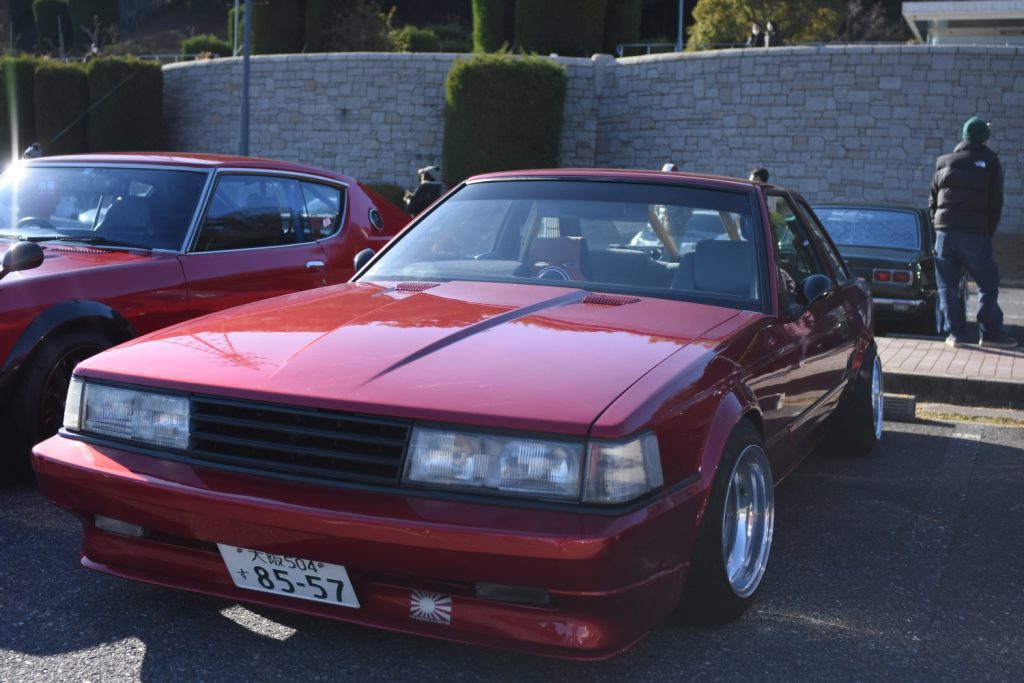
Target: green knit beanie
(976, 129)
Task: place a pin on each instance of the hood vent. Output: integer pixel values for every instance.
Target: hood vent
(609, 299)
(414, 286)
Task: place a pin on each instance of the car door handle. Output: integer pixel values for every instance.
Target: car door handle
(315, 265)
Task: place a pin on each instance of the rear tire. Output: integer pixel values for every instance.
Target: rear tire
(43, 387)
(736, 535)
(856, 426)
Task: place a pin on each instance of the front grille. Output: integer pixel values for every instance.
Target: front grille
(297, 442)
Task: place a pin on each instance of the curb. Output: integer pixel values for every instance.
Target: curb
(991, 393)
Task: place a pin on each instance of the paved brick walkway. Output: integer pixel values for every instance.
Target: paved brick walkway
(971, 375)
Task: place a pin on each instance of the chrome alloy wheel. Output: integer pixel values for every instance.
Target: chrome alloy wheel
(748, 518)
(877, 401)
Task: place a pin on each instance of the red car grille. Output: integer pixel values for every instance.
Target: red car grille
(297, 443)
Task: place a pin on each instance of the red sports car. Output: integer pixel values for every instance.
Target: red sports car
(519, 426)
(126, 244)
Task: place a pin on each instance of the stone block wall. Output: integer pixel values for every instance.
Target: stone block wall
(852, 123)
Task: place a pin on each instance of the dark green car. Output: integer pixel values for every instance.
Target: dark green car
(893, 248)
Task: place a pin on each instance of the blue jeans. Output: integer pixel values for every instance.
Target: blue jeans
(956, 251)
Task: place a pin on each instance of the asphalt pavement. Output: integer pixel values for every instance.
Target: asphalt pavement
(903, 565)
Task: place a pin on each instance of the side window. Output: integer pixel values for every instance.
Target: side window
(251, 211)
(322, 207)
(794, 253)
(831, 253)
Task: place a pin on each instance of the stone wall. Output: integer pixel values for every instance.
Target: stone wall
(836, 122)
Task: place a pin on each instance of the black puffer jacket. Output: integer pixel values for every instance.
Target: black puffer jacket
(967, 192)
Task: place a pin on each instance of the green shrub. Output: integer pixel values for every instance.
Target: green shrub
(493, 24)
(622, 23)
(501, 113)
(61, 102)
(127, 99)
(17, 81)
(452, 37)
(412, 39)
(566, 27)
(360, 26)
(277, 27)
(206, 43)
(53, 21)
(107, 12)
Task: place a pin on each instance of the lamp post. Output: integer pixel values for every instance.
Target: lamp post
(679, 30)
(243, 137)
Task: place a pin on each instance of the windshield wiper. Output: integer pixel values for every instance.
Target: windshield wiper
(97, 239)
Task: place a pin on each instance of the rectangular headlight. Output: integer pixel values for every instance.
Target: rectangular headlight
(489, 463)
(621, 471)
(142, 416)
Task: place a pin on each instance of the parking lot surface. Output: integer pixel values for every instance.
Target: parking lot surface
(905, 565)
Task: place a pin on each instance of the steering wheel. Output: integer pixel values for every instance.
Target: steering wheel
(36, 220)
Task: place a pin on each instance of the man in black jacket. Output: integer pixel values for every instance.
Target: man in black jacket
(966, 204)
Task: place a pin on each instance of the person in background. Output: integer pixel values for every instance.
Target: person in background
(759, 174)
(756, 38)
(773, 36)
(966, 203)
(429, 189)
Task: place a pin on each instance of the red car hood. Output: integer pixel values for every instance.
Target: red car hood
(515, 356)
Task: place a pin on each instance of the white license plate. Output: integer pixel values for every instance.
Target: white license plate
(292, 576)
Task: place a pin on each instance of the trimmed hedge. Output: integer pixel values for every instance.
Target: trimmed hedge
(412, 39)
(277, 28)
(622, 23)
(452, 37)
(501, 113)
(206, 43)
(127, 99)
(51, 14)
(17, 76)
(493, 24)
(320, 16)
(567, 27)
(82, 12)
(61, 101)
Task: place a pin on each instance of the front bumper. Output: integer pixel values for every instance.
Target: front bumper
(611, 577)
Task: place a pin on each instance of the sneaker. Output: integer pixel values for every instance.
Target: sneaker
(1002, 341)
(954, 343)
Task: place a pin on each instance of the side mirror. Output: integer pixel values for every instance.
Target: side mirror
(362, 258)
(816, 287)
(21, 256)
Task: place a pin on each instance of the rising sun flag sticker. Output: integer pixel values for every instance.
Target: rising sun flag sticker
(432, 607)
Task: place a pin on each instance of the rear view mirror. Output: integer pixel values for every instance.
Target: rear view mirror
(21, 256)
(816, 287)
(362, 258)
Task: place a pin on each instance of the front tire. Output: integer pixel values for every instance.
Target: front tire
(43, 387)
(736, 535)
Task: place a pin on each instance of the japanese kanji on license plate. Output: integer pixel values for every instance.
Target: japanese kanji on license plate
(292, 576)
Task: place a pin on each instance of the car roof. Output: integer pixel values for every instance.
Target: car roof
(882, 206)
(185, 159)
(618, 174)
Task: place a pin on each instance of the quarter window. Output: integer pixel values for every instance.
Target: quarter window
(321, 215)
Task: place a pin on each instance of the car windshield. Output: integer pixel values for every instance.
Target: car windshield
(663, 240)
(150, 208)
(863, 227)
